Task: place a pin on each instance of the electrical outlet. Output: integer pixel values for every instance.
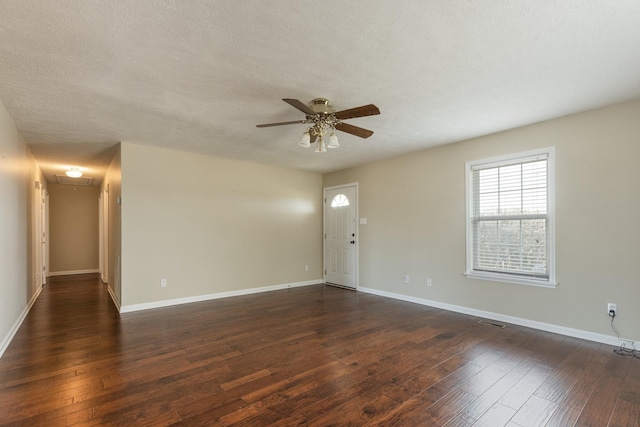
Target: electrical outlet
(163, 282)
(406, 278)
(612, 307)
(306, 268)
(429, 282)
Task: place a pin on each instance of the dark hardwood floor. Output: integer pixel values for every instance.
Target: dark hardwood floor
(316, 356)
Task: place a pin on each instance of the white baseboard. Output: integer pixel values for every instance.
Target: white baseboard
(548, 327)
(72, 272)
(14, 329)
(113, 297)
(198, 298)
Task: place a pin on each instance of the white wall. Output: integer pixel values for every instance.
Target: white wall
(415, 206)
(18, 174)
(210, 225)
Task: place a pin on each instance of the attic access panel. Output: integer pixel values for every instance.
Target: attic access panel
(82, 181)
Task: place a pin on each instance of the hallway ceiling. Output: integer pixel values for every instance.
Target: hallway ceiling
(78, 76)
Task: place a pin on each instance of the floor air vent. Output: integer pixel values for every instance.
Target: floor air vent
(492, 323)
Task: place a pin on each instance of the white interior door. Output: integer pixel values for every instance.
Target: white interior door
(43, 236)
(104, 230)
(100, 236)
(341, 243)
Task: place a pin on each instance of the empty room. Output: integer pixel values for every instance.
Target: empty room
(243, 213)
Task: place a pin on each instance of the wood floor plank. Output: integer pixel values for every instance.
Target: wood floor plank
(526, 387)
(358, 411)
(245, 379)
(535, 412)
(555, 387)
(626, 411)
(599, 407)
(497, 415)
(491, 396)
(445, 409)
(577, 396)
(313, 355)
(461, 420)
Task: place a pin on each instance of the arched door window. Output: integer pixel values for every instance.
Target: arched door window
(340, 200)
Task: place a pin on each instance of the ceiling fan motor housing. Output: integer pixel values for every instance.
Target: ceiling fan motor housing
(321, 106)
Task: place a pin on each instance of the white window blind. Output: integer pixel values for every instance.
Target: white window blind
(509, 219)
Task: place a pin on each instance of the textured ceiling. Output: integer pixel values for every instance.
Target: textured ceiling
(79, 76)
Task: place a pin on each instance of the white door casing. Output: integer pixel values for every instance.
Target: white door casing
(105, 235)
(43, 236)
(100, 236)
(46, 235)
(340, 235)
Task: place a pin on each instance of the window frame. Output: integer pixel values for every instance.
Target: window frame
(505, 160)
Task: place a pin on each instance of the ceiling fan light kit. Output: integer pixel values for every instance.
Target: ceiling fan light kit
(324, 119)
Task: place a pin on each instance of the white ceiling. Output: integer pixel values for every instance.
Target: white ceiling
(77, 76)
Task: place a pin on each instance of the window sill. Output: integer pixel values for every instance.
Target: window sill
(512, 279)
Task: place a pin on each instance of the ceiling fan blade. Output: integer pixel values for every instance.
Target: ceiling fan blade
(300, 106)
(354, 130)
(267, 125)
(352, 113)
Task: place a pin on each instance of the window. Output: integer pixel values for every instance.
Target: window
(510, 218)
(339, 201)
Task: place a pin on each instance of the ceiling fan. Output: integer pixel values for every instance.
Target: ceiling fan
(323, 118)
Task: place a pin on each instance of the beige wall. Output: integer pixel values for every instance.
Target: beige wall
(211, 225)
(18, 273)
(73, 228)
(415, 206)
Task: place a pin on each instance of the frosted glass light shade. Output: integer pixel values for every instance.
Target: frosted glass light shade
(333, 141)
(305, 141)
(321, 147)
(74, 173)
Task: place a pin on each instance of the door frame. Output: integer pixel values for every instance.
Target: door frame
(44, 245)
(357, 228)
(40, 234)
(103, 234)
(100, 235)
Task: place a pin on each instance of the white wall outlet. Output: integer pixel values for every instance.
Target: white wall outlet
(163, 282)
(429, 282)
(306, 268)
(405, 279)
(612, 307)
